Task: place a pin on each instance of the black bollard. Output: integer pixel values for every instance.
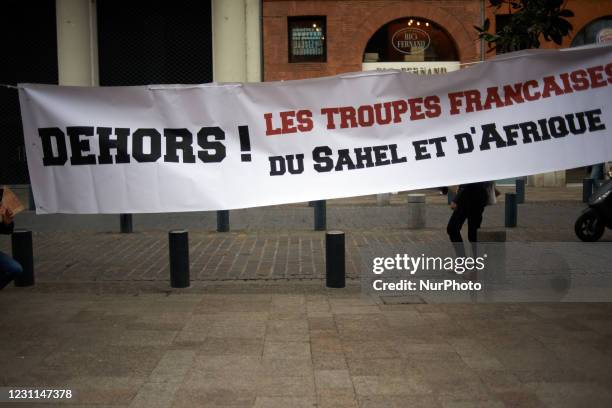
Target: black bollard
(320, 215)
(450, 196)
(21, 241)
(334, 259)
(223, 223)
(125, 222)
(511, 210)
(587, 189)
(179, 258)
(520, 190)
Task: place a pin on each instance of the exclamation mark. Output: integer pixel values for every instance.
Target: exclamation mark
(245, 143)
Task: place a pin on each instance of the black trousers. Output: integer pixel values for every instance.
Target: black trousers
(470, 212)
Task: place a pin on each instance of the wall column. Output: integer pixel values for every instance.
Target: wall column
(236, 40)
(77, 42)
(253, 40)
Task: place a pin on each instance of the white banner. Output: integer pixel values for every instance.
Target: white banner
(225, 146)
(417, 67)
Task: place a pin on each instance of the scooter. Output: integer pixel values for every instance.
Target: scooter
(592, 223)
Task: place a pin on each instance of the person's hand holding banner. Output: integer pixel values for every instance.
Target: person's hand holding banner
(9, 205)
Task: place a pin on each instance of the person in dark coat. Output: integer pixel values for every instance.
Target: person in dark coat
(468, 204)
(9, 268)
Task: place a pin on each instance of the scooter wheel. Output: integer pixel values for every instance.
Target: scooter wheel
(589, 227)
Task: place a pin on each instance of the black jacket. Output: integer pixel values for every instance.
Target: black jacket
(6, 229)
(473, 194)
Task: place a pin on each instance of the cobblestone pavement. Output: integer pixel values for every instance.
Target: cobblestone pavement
(258, 329)
(265, 243)
(301, 346)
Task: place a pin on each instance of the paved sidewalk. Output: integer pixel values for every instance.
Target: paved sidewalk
(258, 329)
(270, 243)
(303, 346)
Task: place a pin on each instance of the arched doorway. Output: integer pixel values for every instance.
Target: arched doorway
(412, 44)
(596, 32)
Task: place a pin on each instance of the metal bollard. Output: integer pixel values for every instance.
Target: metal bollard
(511, 210)
(450, 196)
(21, 241)
(179, 258)
(520, 190)
(383, 199)
(587, 189)
(334, 259)
(320, 215)
(125, 223)
(223, 221)
(416, 211)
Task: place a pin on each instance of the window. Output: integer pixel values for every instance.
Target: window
(29, 52)
(154, 42)
(501, 21)
(307, 39)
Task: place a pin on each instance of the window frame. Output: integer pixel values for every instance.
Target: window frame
(301, 22)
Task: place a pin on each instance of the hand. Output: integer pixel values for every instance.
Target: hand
(7, 215)
(453, 205)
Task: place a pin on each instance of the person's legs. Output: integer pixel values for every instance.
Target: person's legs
(9, 269)
(454, 231)
(474, 220)
(455, 223)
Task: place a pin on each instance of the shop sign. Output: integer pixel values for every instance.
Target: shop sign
(410, 40)
(604, 35)
(420, 68)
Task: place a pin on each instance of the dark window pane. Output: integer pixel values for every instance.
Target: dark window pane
(154, 42)
(29, 52)
(307, 39)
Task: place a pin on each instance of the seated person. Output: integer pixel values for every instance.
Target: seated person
(9, 268)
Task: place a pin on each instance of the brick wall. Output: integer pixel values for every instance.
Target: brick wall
(350, 24)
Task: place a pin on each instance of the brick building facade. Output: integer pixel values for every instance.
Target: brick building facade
(350, 25)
